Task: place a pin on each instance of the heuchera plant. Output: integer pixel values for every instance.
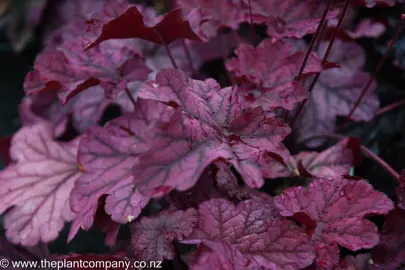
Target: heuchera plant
(230, 167)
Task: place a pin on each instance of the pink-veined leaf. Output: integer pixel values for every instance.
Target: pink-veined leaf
(222, 255)
(130, 24)
(253, 229)
(209, 125)
(270, 70)
(152, 236)
(334, 161)
(338, 207)
(38, 185)
(70, 70)
(118, 145)
(289, 18)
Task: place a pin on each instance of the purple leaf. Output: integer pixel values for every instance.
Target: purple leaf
(390, 252)
(38, 186)
(222, 255)
(70, 70)
(289, 18)
(152, 237)
(118, 145)
(253, 229)
(338, 207)
(334, 161)
(213, 14)
(209, 125)
(269, 73)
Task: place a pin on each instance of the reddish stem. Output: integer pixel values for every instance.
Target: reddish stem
(252, 26)
(131, 98)
(169, 53)
(188, 55)
(390, 107)
(314, 37)
(365, 150)
(377, 70)
(324, 59)
(377, 114)
(383, 164)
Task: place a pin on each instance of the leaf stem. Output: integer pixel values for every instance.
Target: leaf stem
(377, 70)
(315, 37)
(169, 53)
(252, 26)
(324, 59)
(390, 107)
(131, 98)
(378, 113)
(366, 151)
(188, 55)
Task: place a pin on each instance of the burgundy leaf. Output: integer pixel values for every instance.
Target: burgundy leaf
(5, 144)
(38, 185)
(271, 68)
(209, 125)
(130, 24)
(289, 18)
(334, 161)
(338, 207)
(253, 229)
(118, 145)
(390, 253)
(152, 237)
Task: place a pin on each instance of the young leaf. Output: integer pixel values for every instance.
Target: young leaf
(38, 185)
(338, 207)
(255, 231)
(270, 70)
(152, 237)
(209, 125)
(130, 24)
